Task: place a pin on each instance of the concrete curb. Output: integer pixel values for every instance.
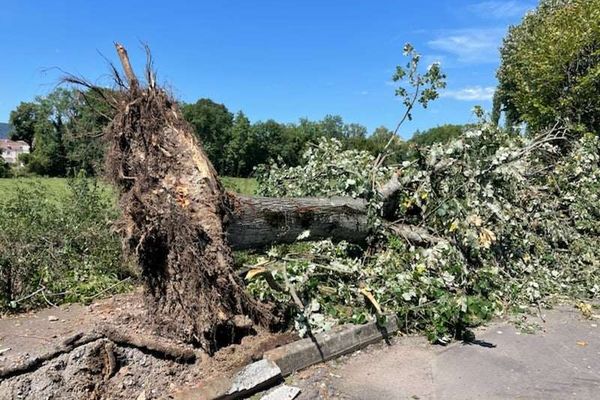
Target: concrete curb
(327, 345)
(253, 378)
(290, 358)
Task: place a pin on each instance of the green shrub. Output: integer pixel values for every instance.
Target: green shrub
(4, 168)
(55, 250)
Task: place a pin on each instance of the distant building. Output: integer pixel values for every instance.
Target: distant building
(10, 150)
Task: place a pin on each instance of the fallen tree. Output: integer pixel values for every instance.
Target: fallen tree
(448, 206)
(181, 226)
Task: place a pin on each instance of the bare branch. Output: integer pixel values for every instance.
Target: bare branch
(133, 81)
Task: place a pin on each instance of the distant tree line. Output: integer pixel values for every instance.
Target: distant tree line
(64, 130)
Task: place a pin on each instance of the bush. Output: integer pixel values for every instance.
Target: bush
(58, 249)
(4, 168)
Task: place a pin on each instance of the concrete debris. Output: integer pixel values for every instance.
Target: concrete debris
(283, 392)
(254, 375)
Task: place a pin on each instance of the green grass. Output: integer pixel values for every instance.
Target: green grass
(245, 186)
(57, 187)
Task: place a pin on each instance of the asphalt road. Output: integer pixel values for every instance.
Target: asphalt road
(561, 360)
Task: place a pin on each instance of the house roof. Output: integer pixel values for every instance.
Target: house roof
(13, 144)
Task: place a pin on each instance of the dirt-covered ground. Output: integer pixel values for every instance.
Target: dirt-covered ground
(92, 365)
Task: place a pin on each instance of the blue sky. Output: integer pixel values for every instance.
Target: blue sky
(272, 59)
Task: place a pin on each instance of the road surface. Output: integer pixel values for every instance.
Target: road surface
(561, 360)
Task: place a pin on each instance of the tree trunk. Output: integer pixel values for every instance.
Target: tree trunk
(256, 222)
(173, 208)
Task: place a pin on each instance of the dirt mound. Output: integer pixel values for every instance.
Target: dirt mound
(100, 370)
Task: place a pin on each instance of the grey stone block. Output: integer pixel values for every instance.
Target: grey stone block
(283, 392)
(249, 380)
(327, 345)
(255, 375)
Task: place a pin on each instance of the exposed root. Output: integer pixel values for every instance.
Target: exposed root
(173, 218)
(110, 337)
(147, 344)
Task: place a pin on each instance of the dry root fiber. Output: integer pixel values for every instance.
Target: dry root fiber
(173, 211)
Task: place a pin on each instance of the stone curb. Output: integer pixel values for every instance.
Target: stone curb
(283, 392)
(290, 358)
(253, 378)
(327, 345)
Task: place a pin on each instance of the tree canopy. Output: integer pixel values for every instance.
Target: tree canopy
(62, 128)
(65, 127)
(439, 134)
(550, 66)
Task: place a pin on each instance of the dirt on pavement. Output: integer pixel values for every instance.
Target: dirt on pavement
(101, 368)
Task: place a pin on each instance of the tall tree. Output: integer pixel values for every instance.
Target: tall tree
(84, 145)
(212, 124)
(550, 66)
(23, 120)
(50, 122)
(270, 135)
(242, 150)
(332, 126)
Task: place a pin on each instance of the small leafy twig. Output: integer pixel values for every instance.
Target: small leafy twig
(425, 90)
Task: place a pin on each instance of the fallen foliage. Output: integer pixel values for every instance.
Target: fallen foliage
(516, 217)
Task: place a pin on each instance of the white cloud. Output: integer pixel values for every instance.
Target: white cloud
(429, 59)
(500, 9)
(364, 92)
(470, 93)
(470, 45)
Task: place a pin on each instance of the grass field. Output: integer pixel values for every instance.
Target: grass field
(57, 187)
(245, 186)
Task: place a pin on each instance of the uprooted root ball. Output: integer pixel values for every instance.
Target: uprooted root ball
(173, 219)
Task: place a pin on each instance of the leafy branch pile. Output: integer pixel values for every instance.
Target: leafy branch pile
(326, 170)
(515, 217)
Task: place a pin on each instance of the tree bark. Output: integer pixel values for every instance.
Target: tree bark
(173, 208)
(257, 222)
